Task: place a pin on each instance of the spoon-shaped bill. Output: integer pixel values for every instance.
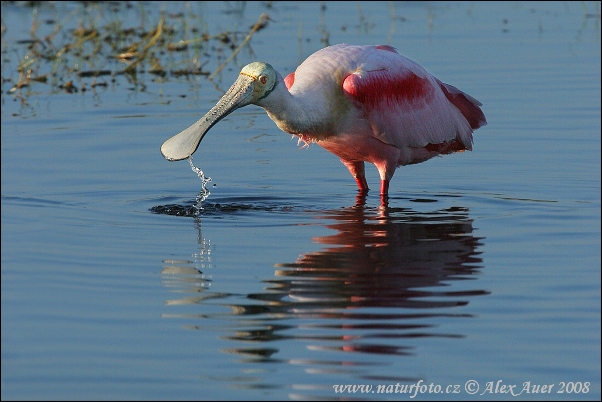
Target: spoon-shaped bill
(184, 144)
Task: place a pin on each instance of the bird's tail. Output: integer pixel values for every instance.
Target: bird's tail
(466, 104)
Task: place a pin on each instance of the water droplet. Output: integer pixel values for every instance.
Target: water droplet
(204, 193)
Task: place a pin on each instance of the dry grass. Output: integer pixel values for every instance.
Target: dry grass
(101, 47)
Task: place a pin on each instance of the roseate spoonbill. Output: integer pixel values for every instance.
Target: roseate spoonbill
(362, 103)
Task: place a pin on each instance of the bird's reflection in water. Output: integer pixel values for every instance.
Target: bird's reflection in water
(392, 258)
(384, 277)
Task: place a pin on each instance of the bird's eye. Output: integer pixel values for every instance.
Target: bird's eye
(263, 79)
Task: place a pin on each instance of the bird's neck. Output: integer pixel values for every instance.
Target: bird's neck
(296, 114)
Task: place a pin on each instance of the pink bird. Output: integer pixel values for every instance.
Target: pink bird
(362, 103)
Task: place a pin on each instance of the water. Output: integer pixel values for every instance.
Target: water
(484, 267)
(204, 193)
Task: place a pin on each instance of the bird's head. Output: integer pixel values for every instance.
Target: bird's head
(263, 79)
(255, 81)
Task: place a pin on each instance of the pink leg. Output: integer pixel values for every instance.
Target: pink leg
(362, 184)
(357, 171)
(386, 169)
(384, 187)
(384, 193)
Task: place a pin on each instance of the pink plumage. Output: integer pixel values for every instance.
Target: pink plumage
(393, 111)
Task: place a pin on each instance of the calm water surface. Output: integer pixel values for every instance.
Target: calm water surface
(485, 265)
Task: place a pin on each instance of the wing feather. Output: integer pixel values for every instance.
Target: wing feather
(407, 107)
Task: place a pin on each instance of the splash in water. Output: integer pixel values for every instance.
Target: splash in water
(204, 193)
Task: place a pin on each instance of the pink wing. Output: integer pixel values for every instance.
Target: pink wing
(407, 107)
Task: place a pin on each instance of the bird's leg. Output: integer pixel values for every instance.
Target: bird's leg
(386, 169)
(357, 171)
(384, 187)
(362, 184)
(384, 193)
